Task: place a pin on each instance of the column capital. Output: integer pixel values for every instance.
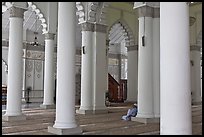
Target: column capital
(87, 26)
(132, 47)
(100, 28)
(145, 11)
(16, 12)
(149, 4)
(49, 36)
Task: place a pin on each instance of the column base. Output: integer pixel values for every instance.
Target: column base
(48, 106)
(85, 112)
(145, 120)
(65, 131)
(13, 118)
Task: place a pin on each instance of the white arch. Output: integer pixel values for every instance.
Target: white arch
(80, 12)
(102, 18)
(40, 15)
(124, 31)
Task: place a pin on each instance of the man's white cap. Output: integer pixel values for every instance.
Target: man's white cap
(135, 104)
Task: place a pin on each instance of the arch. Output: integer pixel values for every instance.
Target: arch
(125, 31)
(93, 7)
(5, 6)
(39, 14)
(80, 12)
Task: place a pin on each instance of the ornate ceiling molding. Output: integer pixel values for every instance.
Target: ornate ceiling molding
(103, 12)
(92, 12)
(80, 12)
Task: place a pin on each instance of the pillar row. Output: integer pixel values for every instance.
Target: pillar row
(14, 91)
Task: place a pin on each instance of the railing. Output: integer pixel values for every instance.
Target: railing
(123, 89)
(117, 92)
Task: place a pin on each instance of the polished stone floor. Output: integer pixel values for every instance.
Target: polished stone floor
(39, 119)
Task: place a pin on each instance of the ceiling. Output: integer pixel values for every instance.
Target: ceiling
(32, 23)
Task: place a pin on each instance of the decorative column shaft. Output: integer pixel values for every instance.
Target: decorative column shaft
(175, 114)
(145, 65)
(48, 100)
(195, 74)
(132, 73)
(14, 92)
(65, 122)
(87, 69)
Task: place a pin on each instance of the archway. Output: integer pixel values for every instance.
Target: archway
(119, 37)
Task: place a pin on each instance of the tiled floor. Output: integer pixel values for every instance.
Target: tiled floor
(39, 119)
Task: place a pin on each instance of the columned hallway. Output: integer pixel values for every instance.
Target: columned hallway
(38, 119)
(75, 68)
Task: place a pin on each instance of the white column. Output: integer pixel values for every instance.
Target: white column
(132, 73)
(156, 62)
(14, 91)
(176, 117)
(145, 73)
(86, 105)
(48, 99)
(65, 122)
(195, 75)
(99, 70)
